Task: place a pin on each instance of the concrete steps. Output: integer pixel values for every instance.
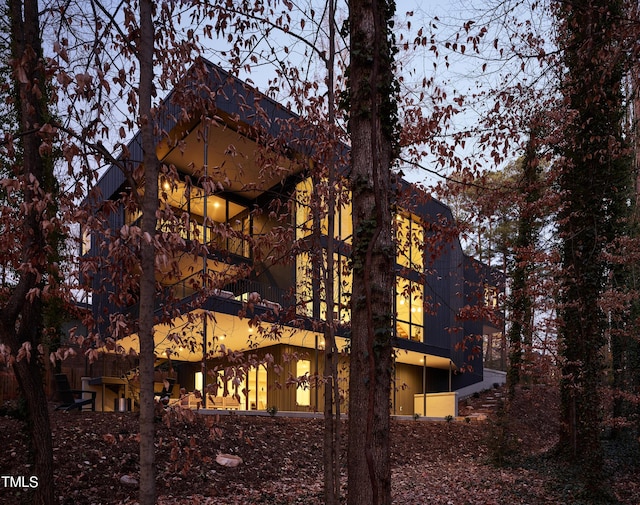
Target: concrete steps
(480, 405)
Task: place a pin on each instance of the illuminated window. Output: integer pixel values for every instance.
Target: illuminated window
(491, 296)
(304, 218)
(303, 392)
(342, 285)
(304, 285)
(409, 310)
(409, 242)
(86, 241)
(343, 220)
(306, 292)
(346, 219)
(131, 217)
(231, 386)
(257, 388)
(191, 201)
(198, 381)
(304, 214)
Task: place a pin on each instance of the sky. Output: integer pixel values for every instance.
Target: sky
(460, 74)
(448, 17)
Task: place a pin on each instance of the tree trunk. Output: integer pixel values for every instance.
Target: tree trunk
(372, 122)
(625, 346)
(39, 427)
(21, 317)
(521, 331)
(331, 423)
(594, 182)
(331, 393)
(147, 257)
(331, 389)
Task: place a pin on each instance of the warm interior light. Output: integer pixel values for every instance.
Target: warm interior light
(303, 392)
(198, 381)
(302, 367)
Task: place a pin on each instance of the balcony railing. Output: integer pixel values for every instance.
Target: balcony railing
(267, 294)
(242, 290)
(236, 245)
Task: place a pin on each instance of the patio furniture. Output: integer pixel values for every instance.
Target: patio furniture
(225, 402)
(165, 394)
(109, 390)
(73, 398)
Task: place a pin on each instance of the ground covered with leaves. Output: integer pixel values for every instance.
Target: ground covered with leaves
(462, 461)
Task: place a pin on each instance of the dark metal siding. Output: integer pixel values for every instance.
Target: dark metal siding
(445, 281)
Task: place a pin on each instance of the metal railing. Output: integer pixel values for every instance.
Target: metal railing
(241, 290)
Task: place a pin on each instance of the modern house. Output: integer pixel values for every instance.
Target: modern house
(256, 162)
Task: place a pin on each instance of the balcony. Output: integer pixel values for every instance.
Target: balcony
(243, 290)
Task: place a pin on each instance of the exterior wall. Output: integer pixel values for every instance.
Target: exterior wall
(477, 276)
(445, 281)
(437, 404)
(280, 393)
(408, 382)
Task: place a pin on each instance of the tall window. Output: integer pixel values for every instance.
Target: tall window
(257, 388)
(304, 213)
(232, 386)
(304, 285)
(190, 200)
(409, 309)
(490, 296)
(409, 242)
(303, 391)
(305, 291)
(86, 241)
(342, 286)
(304, 217)
(131, 216)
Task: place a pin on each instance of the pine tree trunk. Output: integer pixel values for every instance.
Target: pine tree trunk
(372, 122)
(521, 331)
